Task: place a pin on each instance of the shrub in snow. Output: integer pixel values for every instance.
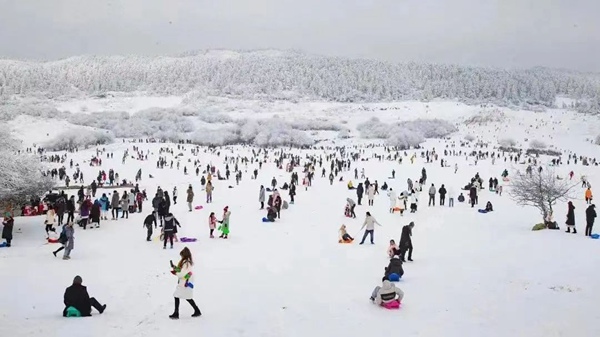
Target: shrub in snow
(597, 141)
(507, 142)
(405, 139)
(431, 128)
(76, 138)
(469, 138)
(344, 134)
(374, 129)
(214, 117)
(486, 117)
(319, 124)
(537, 144)
(211, 137)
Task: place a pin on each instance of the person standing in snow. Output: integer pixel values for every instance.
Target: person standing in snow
(261, 197)
(442, 191)
(190, 197)
(70, 243)
(50, 220)
(175, 192)
(359, 192)
(8, 224)
(209, 189)
(414, 200)
(392, 195)
(185, 283)
(169, 229)
(95, 215)
(406, 241)
(352, 205)
(115, 205)
(125, 205)
(590, 216)
(212, 224)
(571, 218)
(224, 228)
(371, 194)
(71, 209)
(369, 223)
(148, 221)
(432, 192)
(292, 192)
(104, 205)
(450, 193)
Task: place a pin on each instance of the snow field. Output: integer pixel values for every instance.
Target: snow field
(473, 274)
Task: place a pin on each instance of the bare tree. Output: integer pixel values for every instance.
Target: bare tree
(540, 189)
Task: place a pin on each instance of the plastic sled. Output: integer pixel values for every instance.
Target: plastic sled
(344, 241)
(73, 312)
(186, 239)
(595, 236)
(50, 240)
(266, 220)
(393, 277)
(199, 207)
(3, 244)
(391, 305)
(483, 211)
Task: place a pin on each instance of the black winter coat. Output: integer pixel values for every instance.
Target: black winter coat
(590, 215)
(359, 191)
(395, 267)
(405, 240)
(571, 216)
(170, 225)
(77, 296)
(150, 219)
(8, 228)
(70, 206)
(442, 191)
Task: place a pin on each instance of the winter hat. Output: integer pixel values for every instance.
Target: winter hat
(226, 208)
(77, 280)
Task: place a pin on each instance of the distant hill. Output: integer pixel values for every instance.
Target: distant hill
(277, 74)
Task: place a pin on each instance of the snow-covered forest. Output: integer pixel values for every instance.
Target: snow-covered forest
(291, 75)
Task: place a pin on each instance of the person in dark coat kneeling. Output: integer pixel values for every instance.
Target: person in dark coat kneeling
(76, 296)
(395, 267)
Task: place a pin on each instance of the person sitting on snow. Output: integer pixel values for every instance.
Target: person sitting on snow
(350, 185)
(394, 267)
(344, 236)
(386, 293)
(461, 198)
(392, 249)
(489, 207)
(271, 213)
(78, 302)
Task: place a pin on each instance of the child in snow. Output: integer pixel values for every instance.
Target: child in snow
(387, 295)
(344, 236)
(392, 249)
(489, 207)
(212, 224)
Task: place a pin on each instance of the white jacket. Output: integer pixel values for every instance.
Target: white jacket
(370, 223)
(414, 198)
(181, 291)
(50, 217)
(371, 192)
(387, 290)
(450, 193)
(175, 192)
(393, 197)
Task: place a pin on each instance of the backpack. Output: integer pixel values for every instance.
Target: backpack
(62, 239)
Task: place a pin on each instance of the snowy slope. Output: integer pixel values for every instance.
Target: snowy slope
(473, 275)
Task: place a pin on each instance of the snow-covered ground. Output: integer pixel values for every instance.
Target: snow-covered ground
(473, 275)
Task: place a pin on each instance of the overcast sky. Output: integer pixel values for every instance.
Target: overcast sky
(505, 33)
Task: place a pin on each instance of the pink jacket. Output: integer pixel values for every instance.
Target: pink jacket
(212, 222)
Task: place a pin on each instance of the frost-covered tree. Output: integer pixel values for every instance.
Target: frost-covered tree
(597, 140)
(79, 138)
(541, 190)
(20, 174)
(507, 142)
(537, 144)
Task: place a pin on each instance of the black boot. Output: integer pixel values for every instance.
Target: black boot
(574, 231)
(175, 315)
(197, 312)
(568, 230)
